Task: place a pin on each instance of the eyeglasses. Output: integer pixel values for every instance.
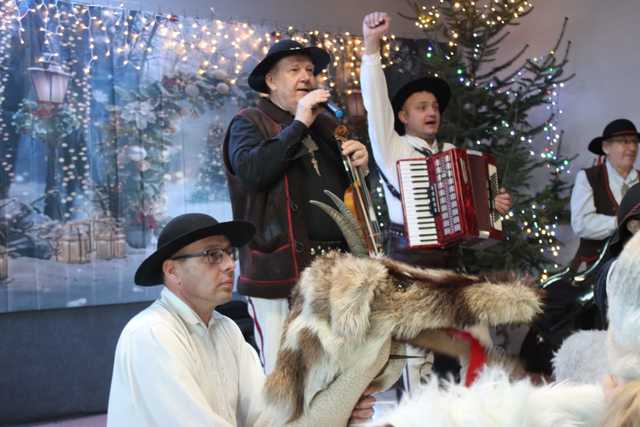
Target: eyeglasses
(214, 256)
(623, 140)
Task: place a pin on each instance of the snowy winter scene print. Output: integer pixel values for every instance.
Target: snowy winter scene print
(112, 122)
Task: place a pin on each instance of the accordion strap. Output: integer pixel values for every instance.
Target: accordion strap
(393, 190)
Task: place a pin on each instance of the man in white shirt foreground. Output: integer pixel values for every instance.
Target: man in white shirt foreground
(598, 190)
(178, 362)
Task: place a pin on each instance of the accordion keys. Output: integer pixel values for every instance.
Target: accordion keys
(448, 198)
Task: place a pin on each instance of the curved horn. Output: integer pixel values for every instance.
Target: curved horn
(348, 215)
(345, 223)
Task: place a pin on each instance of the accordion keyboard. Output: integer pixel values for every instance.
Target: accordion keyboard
(418, 203)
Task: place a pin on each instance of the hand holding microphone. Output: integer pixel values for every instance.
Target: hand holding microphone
(308, 110)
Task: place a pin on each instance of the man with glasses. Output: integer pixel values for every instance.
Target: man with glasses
(599, 190)
(180, 363)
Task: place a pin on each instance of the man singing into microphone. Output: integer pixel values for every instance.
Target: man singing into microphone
(278, 156)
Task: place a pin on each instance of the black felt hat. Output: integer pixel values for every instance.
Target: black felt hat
(435, 85)
(186, 229)
(281, 49)
(618, 127)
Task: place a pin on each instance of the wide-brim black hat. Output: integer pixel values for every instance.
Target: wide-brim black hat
(618, 127)
(281, 49)
(629, 209)
(435, 85)
(186, 229)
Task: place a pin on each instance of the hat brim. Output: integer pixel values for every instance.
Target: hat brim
(319, 57)
(149, 273)
(595, 146)
(435, 85)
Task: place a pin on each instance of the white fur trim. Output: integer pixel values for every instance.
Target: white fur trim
(494, 401)
(581, 358)
(623, 292)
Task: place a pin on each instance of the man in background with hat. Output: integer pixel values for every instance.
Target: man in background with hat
(179, 362)
(278, 156)
(406, 126)
(599, 190)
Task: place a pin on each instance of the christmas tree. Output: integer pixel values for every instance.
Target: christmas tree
(211, 183)
(493, 108)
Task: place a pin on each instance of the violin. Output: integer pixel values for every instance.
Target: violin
(358, 200)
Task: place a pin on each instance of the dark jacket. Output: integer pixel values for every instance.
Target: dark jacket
(270, 181)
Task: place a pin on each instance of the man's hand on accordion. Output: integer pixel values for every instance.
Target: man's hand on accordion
(503, 201)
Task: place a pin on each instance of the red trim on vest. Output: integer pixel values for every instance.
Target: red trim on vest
(296, 270)
(477, 356)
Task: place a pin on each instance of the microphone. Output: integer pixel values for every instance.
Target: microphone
(334, 109)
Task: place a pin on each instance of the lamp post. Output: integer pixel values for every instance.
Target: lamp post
(49, 80)
(50, 83)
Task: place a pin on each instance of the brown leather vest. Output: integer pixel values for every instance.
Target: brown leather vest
(605, 204)
(270, 265)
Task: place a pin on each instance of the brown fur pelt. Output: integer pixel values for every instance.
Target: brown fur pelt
(345, 308)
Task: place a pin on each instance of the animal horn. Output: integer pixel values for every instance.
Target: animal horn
(347, 214)
(343, 208)
(347, 224)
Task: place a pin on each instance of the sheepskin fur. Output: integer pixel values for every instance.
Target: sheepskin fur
(587, 356)
(345, 308)
(495, 401)
(582, 358)
(623, 291)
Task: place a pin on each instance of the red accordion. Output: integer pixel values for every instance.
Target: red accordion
(448, 198)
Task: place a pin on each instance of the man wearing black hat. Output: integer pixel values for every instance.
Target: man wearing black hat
(404, 127)
(179, 362)
(279, 156)
(599, 190)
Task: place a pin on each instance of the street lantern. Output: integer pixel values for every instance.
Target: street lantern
(49, 80)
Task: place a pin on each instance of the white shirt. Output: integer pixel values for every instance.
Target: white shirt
(171, 369)
(586, 223)
(388, 146)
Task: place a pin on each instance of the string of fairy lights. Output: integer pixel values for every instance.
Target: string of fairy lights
(138, 41)
(434, 19)
(7, 21)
